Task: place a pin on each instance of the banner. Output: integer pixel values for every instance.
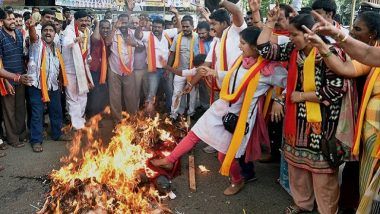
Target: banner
(101, 4)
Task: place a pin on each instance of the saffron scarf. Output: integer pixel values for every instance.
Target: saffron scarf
(313, 111)
(201, 47)
(210, 80)
(3, 90)
(178, 50)
(169, 39)
(103, 65)
(84, 47)
(368, 88)
(43, 73)
(124, 68)
(223, 50)
(248, 85)
(152, 67)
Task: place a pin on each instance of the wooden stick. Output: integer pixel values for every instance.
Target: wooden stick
(192, 183)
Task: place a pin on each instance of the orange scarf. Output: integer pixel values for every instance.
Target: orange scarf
(152, 67)
(43, 73)
(103, 66)
(248, 85)
(202, 49)
(3, 90)
(169, 39)
(125, 69)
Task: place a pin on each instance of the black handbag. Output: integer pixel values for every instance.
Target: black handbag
(230, 121)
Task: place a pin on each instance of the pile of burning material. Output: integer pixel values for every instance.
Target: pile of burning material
(114, 178)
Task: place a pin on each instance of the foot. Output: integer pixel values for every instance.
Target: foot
(209, 150)
(234, 188)
(65, 137)
(3, 146)
(37, 147)
(2, 154)
(162, 163)
(17, 144)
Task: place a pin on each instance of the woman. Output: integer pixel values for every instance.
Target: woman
(313, 101)
(365, 29)
(235, 109)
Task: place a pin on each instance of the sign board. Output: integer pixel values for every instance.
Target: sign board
(90, 3)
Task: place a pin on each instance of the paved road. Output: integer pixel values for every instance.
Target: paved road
(21, 192)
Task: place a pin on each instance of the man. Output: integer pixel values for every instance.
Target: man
(98, 96)
(169, 24)
(327, 9)
(203, 46)
(35, 10)
(134, 22)
(143, 18)
(67, 17)
(13, 104)
(46, 86)
(75, 50)
(181, 57)
(158, 44)
(19, 22)
(249, 19)
(46, 17)
(121, 78)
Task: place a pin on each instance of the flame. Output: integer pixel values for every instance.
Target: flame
(99, 178)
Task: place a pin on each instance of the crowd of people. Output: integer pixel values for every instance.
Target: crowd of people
(298, 81)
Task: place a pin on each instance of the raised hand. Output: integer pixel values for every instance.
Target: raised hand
(254, 5)
(313, 38)
(324, 27)
(274, 14)
(173, 10)
(130, 4)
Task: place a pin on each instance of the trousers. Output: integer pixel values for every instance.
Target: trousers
(76, 103)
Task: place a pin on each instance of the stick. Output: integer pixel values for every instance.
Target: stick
(192, 183)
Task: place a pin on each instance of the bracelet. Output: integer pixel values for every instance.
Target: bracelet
(279, 101)
(270, 27)
(344, 39)
(326, 55)
(189, 84)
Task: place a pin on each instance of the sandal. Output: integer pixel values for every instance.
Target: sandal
(294, 209)
(37, 147)
(17, 144)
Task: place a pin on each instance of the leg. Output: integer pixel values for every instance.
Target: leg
(301, 186)
(21, 112)
(8, 104)
(247, 169)
(73, 103)
(234, 170)
(129, 93)
(92, 96)
(168, 88)
(326, 189)
(55, 114)
(204, 95)
(139, 75)
(179, 83)
(114, 83)
(193, 100)
(37, 113)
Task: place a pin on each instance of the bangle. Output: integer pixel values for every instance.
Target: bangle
(326, 55)
(344, 39)
(279, 101)
(270, 27)
(189, 84)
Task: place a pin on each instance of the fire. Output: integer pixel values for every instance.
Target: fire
(112, 178)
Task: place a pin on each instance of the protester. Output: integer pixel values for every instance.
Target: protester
(35, 9)
(76, 53)
(317, 99)
(67, 17)
(212, 127)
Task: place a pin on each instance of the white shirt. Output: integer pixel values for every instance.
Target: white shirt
(232, 46)
(162, 47)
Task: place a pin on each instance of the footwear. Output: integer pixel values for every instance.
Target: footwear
(2, 154)
(250, 179)
(37, 147)
(65, 137)
(234, 188)
(209, 150)
(162, 163)
(3, 146)
(17, 144)
(294, 209)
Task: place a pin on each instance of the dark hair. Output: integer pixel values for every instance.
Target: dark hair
(17, 15)
(47, 11)
(203, 25)
(47, 25)
(287, 9)
(80, 14)
(104, 21)
(199, 59)
(221, 15)
(159, 21)
(326, 5)
(305, 10)
(250, 35)
(9, 9)
(307, 20)
(26, 15)
(2, 14)
(188, 18)
(372, 20)
(123, 15)
(249, 13)
(35, 8)
(66, 9)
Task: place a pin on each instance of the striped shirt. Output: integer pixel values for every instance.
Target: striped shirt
(11, 52)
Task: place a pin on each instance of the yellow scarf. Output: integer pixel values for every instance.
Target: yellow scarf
(366, 97)
(125, 69)
(43, 73)
(178, 50)
(313, 110)
(85, 42)
(252, 83)
(223, 51)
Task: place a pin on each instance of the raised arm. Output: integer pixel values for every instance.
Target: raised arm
(176, 14)
(268, 27)
(255, 5)
(96, 34)
(237, 15)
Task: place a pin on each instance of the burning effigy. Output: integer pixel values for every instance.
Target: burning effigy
(114, 176)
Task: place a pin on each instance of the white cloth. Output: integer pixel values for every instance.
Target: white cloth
(114, 59)
(72, 57)
(209, 128)
(161, 46)
(179, 83)
(345, 32)
(52, 66)
(76, 102)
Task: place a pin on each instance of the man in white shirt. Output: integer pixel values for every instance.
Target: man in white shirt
(75, 50)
